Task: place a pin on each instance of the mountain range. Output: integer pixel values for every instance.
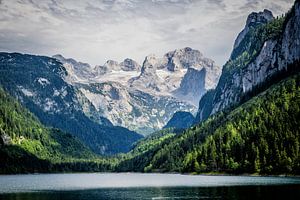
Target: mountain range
(95, 104)
(247, 112)
(143, 98)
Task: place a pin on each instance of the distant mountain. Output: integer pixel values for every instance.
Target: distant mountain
(184, 73)
(39, 83)
(181, 120)
(144, 98)
(133, 109)
(261, 52)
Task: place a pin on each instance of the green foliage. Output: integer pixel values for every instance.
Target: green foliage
(27, 132)
(36, 148)
(260, 136)
(139, 157)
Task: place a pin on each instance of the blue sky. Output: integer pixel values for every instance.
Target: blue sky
(94, 31)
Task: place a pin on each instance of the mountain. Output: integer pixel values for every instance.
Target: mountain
(262, 51)
(28, 146)
(249, 123)
(133, 109)
(183, 73)
(130, 65)
(181, 120)
(39, 83)
(144, 98)
(253, 20)
(260, 136)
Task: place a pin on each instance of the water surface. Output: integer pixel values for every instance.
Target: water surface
(89, 186)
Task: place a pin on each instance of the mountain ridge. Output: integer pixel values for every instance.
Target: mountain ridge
(155, 80)
(38, 82)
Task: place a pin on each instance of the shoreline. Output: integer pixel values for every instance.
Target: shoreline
(164, 173)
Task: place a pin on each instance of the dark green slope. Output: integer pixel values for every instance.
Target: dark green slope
(260, 136)
(38, 83)
(28, 146)
(138, 158)
(180, 120)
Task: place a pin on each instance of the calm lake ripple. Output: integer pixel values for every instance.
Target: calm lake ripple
(89, 186)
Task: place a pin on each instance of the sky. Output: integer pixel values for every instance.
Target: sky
(94, 31)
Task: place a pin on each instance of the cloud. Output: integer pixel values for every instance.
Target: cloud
(97, 30)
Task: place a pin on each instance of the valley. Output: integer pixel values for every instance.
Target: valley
(179, 112)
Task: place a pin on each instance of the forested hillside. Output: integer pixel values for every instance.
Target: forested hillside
(28, 146)
(260, 136)
(138, 158)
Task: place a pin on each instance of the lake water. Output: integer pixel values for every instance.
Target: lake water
(90, 186)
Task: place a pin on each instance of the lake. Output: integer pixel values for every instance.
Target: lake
(90, 186)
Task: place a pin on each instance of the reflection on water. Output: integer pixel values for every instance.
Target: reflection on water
(233, 193)
(91, 186)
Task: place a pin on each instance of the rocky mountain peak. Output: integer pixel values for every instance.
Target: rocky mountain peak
(112, 65)
(149, 65)
(186, 58)
(263, 17)
(253, 20)
(130, 65)
(71, 61)
(76, 70)
(58, 57)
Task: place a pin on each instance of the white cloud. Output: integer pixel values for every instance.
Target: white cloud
(97, 30)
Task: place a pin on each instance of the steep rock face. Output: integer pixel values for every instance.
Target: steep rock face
(253, 20)
(134, 109)
(290, 46)
(241, 75)
(38, 82)
(192, 86)
(148, 80)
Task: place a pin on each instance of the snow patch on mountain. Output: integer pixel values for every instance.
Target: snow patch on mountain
(144, 97)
